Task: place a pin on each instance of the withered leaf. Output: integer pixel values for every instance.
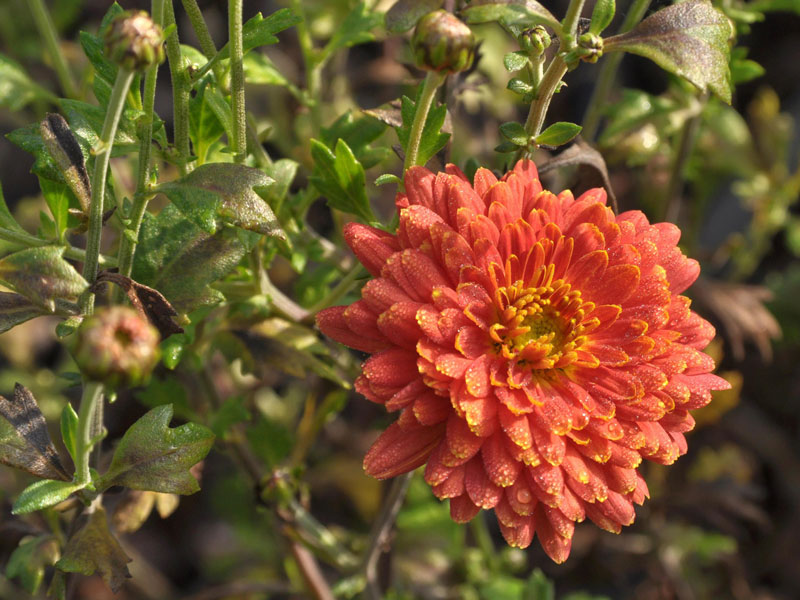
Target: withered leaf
(133, 510)
(24, 441)
(42, 275)
(592, 169)
(66, 152)
(148, 302)
(93, 549)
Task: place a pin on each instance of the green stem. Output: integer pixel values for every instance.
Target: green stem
(115, 106)
(180, 92)
(432, 82)
(48, 32)
(608, 74)
(127, 247)
(569, 26)
(30, 241)
(239, 142)
(552, 77)
(90, 401)
(684, 152)
(313, 64)
(484, 540)
(341, 289)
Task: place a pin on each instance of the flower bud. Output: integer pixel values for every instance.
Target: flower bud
(590, 47)
(134, 42)
(534, 41)
(116, 346)
(443, 43)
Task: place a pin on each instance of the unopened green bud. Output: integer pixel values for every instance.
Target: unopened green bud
(116, 346)
(134, 42)
(590, 47)
(535, 41)
(443, 43)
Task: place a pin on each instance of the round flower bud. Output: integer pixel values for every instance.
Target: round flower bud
(443, 43)
(535, 40)
(134, 42)
(116, 346)
(590, 47)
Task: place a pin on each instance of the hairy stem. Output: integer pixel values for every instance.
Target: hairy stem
(607, 74)
(432, 82)
(203, 35)
(180, 92)
(381, 531)
(90, 401)
(102, 156)
(127, 247)
(239, 142)
(48, 32)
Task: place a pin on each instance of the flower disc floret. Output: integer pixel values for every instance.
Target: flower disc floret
(536, 346)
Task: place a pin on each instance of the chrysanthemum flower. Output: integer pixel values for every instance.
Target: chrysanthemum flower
(537, 348)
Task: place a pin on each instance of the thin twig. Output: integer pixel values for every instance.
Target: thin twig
(381, 531)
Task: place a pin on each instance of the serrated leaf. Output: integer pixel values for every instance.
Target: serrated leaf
(515, 133)
(93, 549)
(359, 132)
(240, 205)
(260, 31)
(404, 14)
(520, 13)
(24, 441)
(433, 138)
(602, 15)
(17, 90)
(29, 560)
(42, 275)
(198, 205)
(689, 39)
(281, 172)
(43, 494)
(355, 29)
(340, 178)
(69, 430)
(558, 134)
(514, 61)
(153, 457)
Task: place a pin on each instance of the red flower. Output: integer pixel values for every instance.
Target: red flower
(536, 346)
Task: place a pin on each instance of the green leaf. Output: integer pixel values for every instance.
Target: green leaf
(558, 134)
(260, 31)
(539, 587)
(69, 430)
(388, 178)
(6, 219)
(58, 195)
(602, 15)
(502, 587)
(42, 275)
(44, 493)
(433, 138)
(355, 29)
(180, 260)
(29, 560)
(240, 205)
(359, 133)
(86, 122)
(93, 549)
(340, 178)
(260, 70)
(16, 309)
(744, 70)
(689, 39)
(232, 411)
(153, 457)
(281, 172)
(514, 61)
(30, 139)
(515, 133)
(404, 14)
(24, 441)
(198, 205)
(519, 13)
(17, 90)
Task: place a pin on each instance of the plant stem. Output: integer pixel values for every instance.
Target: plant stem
(432, 82)
(569, 25)
(91, 399)
(115, 105)
(484, 541)
(344, 286)
(127, 247)
(180, 92)
(380, 533)
(200, 28)
(608, 74)
(239, 142)
(48, 32)
(30, 241)
(552, 77)
(684, 152)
